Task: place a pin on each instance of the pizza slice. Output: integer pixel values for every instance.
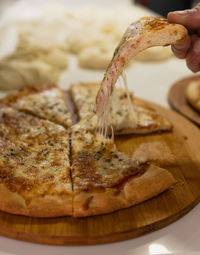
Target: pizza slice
(140, 119)
(47, 102)
(145, 33)
(105, 179)
(34, 166)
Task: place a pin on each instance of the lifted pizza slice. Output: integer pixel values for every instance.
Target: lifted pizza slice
(47, 102)
(34, 166)
(105, 179)
(140, 119)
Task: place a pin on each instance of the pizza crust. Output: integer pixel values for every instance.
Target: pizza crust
(192, 94)
(44, 206)
(34, 166)
(62, 201)
(136, 190)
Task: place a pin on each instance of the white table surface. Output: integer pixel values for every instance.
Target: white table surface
(150, 81)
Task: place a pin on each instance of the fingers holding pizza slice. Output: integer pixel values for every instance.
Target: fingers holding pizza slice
(140, 35)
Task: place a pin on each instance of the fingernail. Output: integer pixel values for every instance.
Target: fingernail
(181, 12)
(186, 12)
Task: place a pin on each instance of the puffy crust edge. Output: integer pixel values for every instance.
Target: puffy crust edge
(192, 94)
(13, 97)
(43, 206)
(136, 190)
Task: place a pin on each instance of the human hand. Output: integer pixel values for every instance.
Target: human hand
(189, 49)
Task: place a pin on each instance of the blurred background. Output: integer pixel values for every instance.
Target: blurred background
(164, 6)
(64, 41)
(41, 41)
(160, 6)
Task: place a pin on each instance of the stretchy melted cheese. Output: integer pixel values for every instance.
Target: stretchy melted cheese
(140, 35)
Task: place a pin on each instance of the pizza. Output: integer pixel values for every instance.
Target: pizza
(47, 170)
(192, 94)
(51, 166)
(141, 119)
(47, 102)
(34, 166)
(106, 180)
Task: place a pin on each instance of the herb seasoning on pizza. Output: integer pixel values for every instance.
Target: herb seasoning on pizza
(106, 180)
(47, 102)
(142, 120)
(34, 166)
(50, 167)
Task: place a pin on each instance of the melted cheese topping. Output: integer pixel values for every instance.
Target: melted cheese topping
(34, 158)
(96, 163)
(140, 35)
(48, 104)
(121, 117)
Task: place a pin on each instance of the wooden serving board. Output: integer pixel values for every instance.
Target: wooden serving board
(179, 102)
(178, 151)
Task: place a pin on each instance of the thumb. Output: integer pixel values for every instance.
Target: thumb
(188, 18)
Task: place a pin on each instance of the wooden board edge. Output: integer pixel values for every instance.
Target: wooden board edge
(123, 236)
(192, 115)
(132, 233)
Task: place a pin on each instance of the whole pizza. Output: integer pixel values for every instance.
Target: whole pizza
(58, 154)
(50, 166)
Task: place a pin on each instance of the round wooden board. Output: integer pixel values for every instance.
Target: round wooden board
(178, 151)
(179, 102)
